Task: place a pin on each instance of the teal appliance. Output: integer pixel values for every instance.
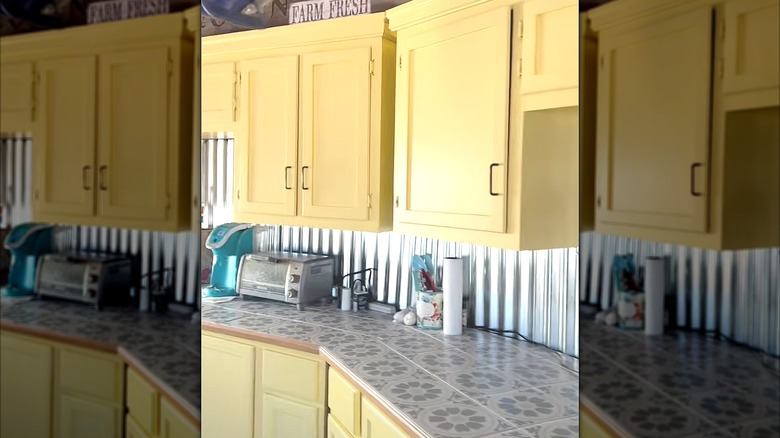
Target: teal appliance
(26, 242)
(227, 242)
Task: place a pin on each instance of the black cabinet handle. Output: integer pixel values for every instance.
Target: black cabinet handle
(490, 176)
(303, 177)
(102, 174)
(84, 171)
(693, 179)
(286, 184)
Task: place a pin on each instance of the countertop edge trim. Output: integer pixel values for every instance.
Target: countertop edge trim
(602, 419)
(250, 335)
(57, 337)
(185, 407)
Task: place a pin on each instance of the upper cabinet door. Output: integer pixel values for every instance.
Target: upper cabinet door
(335, 133)
(452, 106)
(267, 146)
(133, 134)
(16, 97)
(64, 164)
(654, 124)
(218, 105)
(752, 45)
(550, 56)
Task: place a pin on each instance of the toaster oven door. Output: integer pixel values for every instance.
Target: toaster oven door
(263, 277)
(59, 276)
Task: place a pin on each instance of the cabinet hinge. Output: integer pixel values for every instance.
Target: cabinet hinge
(720, 67)
(601, 61)
(170, 66)
(722, 29)
(371, 67)
(396, 201)
(369, 200)
(520, 67)
(37, 194)
(400, 63)
(35, 81)
(598, 201)
(238, 194)
(236, 93)
(521, 28)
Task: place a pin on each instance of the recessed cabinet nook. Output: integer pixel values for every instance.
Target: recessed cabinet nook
(109, 107)
(486, 132)
(687, 133)
(311, 110)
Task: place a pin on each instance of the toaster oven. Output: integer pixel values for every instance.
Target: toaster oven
(96, 279)
(294, 278)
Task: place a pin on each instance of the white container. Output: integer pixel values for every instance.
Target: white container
(452, 285)
(346, 299)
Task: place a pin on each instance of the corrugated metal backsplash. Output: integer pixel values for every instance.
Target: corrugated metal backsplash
(155, 250)
(529, 293)
(731, 293)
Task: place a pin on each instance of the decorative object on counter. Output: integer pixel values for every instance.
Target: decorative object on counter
(382, 307)
(26, 242)
(630, 299)
(452, 286)
(158, 286)
(410, 318)
(429, 309)
(117, 10)
(228, 242)
(608, 316)
(359, 300)
(655, 289)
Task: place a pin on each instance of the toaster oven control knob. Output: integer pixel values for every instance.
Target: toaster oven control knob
(292, 293)
(91, 293)
(293, 278)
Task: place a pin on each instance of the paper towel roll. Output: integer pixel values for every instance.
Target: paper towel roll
(452, 286)
(655, 289)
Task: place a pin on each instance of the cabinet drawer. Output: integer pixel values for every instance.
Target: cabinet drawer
(344, 402)
(336, 430)
(306, 382)
(142, 402)
(90, 374)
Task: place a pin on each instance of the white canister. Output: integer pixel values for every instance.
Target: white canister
(345, 299)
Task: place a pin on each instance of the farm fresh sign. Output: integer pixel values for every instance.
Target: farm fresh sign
(316, 10)
(115, 10)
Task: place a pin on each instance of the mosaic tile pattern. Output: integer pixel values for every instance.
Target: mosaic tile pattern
(167, 346)
(439, 383)
(678, 385)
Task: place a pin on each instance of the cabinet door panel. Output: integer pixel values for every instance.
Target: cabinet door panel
(218, 102)
(752, 45)
(16, 99)
(375, 424)
(80, 418)
(335, 133)
(284, 418)
(174, 425)
(64, 146)
(267, 148)
(228, 375)
(133, 134)
(335, 430)
(133, 430)
(25, 388)
(653, 124)
(452, 103)
(550, 35)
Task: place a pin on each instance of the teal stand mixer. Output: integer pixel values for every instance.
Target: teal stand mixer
(227, 242)
(26, 242)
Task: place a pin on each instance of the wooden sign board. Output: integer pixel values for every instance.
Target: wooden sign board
(115, 10)
(316, 10)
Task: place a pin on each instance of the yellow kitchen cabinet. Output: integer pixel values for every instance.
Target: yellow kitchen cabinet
(751, 42)
(336, 430)
(228, 381)
(175, 425)
(258, 398)
(26, 388)
(376, 424)
(219, 102)
(84, 418)
(470, 163)
(681, 155)
(266, 172)
(17, 102)
(344, 402)
(314, 130)
(151, 415)
(64, 149)
(122, 90)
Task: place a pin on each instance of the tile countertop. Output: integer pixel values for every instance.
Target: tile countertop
(677, 385)
(165, 348)
(473, 385)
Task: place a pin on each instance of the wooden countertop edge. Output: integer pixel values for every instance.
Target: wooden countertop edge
(251, 335)
(373, 396)
(189, 411)
(598, 416)
(186, 408)
(52, 336)
(331, 360)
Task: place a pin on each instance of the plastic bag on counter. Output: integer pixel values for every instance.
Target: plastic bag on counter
(628, 293)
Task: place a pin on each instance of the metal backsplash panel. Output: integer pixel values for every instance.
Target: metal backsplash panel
(731, 293)
(529, 293)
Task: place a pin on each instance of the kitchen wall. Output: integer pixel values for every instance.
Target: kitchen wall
(532, 294)
(735, 294)
(154, 250)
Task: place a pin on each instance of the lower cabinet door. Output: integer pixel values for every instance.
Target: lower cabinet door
(133, 430)
(174, 425)
(375, 424)
(284, 418)
(228, 376)
(25, 388)
(81, 418)
(336, 430)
